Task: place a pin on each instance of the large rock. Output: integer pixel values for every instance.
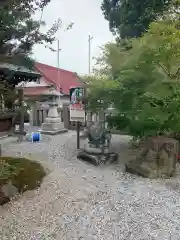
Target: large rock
(157, 158)
(7, 191)
(3, 198)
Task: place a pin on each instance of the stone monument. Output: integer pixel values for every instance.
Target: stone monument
(157, 158)
(53, 124)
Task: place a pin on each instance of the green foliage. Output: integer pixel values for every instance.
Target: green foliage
(104, 87)
(99, 92)
(7, 95)
(6, 171)
(23, 173)
(153, 71)
(131, 18)
(18, 34)
(113, 56)
(119, 121)
(146, 79)
(19, 31)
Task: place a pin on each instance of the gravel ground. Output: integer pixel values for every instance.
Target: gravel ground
(80, 201)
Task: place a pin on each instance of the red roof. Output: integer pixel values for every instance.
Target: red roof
(66, 79)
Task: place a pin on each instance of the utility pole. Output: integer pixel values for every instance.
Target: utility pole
(58, 68)
(89, 71)
(58, 64)
(89, 53)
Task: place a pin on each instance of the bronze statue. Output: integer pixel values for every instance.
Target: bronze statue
(99, 139)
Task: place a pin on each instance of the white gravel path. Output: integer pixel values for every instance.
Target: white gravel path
(79, 201)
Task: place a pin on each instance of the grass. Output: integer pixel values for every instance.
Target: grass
(23, 173)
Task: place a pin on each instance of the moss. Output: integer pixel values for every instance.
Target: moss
(23, 173)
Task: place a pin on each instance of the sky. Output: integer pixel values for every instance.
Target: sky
(88, 19)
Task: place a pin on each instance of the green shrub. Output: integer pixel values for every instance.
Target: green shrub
(6, 171)
(23, 173)
(119, 121)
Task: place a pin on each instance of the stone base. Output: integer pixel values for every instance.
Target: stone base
(97, 158)
(53, 132)
(52, 126)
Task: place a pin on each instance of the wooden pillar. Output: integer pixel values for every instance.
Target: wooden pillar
(66, 116)
(89, 116)
(31, 114)
(45, 113)
(21, 105)
(35, 114)
(101, 115)
(94, 117)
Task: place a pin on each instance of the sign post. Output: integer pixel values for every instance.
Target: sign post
(77, 109)
(78, 133)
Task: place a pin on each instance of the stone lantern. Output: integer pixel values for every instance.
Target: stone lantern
(52, 124)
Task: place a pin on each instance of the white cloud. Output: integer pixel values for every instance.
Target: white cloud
(88, 19)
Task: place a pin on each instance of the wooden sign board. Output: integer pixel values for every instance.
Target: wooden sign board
(77, 108)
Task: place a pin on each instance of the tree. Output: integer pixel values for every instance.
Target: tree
(99, 92)
(131, 18)
(103, 84)
(112, 58)
(146, 92)
(155, 75)
(19, 31)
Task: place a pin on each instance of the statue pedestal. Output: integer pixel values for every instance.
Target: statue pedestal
(52, 124)
(96, 157)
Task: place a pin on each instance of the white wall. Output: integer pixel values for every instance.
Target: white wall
(43, 82)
